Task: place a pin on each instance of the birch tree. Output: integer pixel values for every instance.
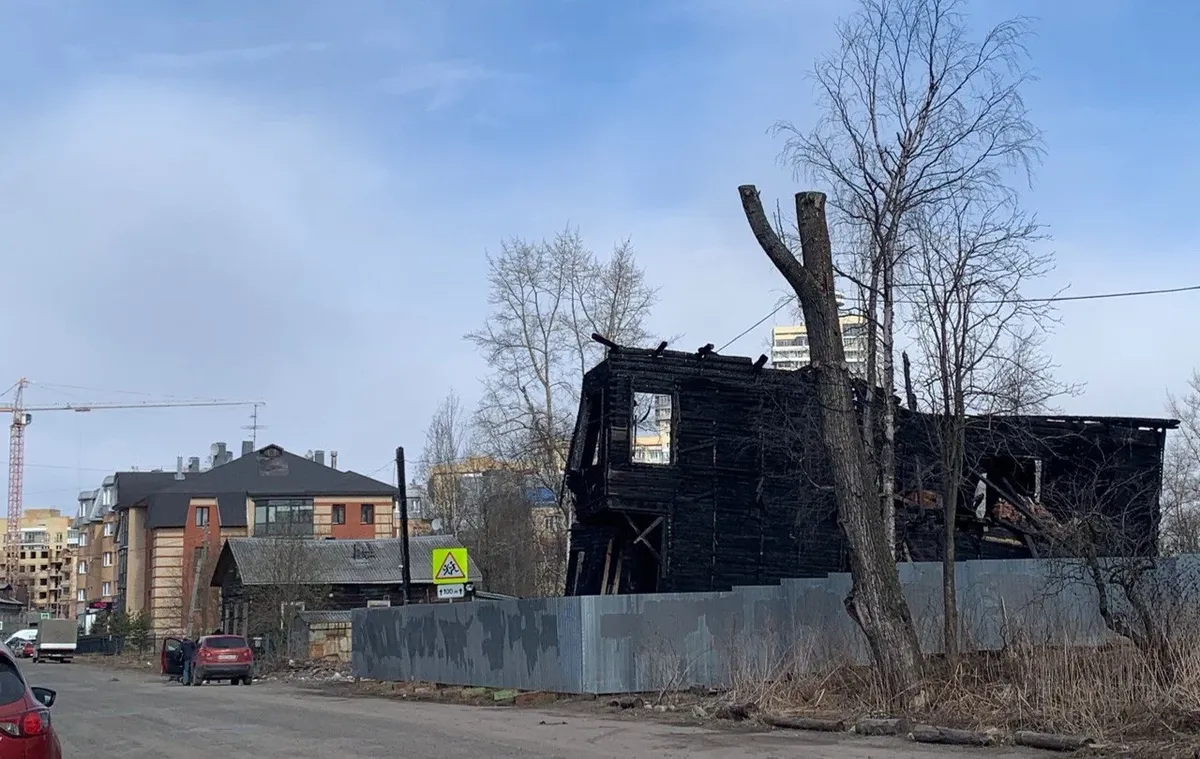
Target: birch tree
(914, 108)
(547, 299)
(447, 441)
(970, 260)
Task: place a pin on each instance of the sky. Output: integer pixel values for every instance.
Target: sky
(292, 201)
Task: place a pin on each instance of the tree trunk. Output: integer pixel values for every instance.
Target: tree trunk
(952, 462)
(876, 601)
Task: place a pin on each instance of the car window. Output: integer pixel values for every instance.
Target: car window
(12, 686)
(225, 641)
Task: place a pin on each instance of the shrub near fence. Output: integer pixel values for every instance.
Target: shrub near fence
(622, 644)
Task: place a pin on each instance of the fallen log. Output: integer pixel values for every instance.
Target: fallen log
(736, 712)
(881, 726)
(1052, 741)
(805, 723)
(950, 736)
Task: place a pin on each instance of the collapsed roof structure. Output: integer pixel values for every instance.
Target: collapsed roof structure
(698, 472)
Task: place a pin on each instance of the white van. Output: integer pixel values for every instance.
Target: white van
(21, 636)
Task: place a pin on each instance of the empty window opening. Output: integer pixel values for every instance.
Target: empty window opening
(653, 417)
(588, 433)
(1011, 489)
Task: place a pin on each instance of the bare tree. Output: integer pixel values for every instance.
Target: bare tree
(289, 577)
(915, 109)
(1022, 375)
(500, 533)
(876, 601)
(547, 299)
(447, 441)
(1181, 474)
(970, 259)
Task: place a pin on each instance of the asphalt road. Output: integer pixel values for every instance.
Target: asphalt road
(107, 714)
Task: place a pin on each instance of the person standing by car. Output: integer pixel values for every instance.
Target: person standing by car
(187, 648)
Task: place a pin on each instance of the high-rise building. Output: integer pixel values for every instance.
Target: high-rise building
(45, 557)
(790, 348)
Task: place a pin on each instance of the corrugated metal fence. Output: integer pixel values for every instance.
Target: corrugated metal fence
(623, 644)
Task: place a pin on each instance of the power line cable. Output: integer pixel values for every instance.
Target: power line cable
(1053, 299)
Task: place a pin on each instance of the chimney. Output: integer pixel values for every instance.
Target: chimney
(179, 467)
(219, 454)
(194, 464)
(247, 447)
(319, 457)
(333, 459)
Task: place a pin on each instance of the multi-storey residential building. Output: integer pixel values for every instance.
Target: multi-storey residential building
(171, 526)
(465, 483)
(790, 349)
(96, 555)
(46, 555)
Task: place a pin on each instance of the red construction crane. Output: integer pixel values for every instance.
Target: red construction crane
(22, 416)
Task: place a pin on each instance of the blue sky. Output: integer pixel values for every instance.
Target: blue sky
(292, 200)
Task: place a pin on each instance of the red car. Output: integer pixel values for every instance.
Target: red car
(26, 730)
(218, 657)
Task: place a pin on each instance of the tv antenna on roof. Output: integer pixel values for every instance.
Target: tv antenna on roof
(254, 426)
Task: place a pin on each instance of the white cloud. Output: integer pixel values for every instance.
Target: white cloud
(183, 242)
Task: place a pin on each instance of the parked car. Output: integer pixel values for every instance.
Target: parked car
(28, 650)
(218, 657)
(26, 730)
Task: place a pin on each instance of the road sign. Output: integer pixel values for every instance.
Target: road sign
(449, 566)
(45, 615)
(452, 591)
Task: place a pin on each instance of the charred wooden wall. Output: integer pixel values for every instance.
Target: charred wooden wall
(747, 497)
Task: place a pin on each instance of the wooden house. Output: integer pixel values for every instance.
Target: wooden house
(698, 472)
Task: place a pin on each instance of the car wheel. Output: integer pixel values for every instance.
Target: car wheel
(247, 680)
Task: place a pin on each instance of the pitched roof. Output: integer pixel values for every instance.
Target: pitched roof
(335, 562)
(273, 471)
(269, 471)
(136, 486)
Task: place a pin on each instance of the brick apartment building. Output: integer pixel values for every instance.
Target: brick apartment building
(169, 527)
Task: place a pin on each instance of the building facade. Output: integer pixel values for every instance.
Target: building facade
(46, 562)
(790, 349)
(171, 526)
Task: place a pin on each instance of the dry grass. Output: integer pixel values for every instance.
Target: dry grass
(1114, 692)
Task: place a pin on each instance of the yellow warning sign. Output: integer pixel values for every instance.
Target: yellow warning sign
(449, 566)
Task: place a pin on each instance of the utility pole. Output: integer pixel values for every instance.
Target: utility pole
(402, 495)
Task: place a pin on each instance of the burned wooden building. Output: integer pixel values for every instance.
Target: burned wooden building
(696, 472)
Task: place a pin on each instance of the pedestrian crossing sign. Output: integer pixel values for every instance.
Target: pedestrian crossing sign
(449, 566)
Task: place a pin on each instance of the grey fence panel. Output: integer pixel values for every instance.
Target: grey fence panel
(528, 643)
(620, 644)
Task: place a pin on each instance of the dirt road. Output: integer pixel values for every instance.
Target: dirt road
(106, 714)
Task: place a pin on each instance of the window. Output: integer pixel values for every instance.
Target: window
(202, 516)
(12, 685)
(108, 562)
(82, 568)
(653, 428)
(368, 513)
(225, 642)
(339, 513)
(283, 516)
(109, 529)
(81, 596)
(106, 589)
(83, 540)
